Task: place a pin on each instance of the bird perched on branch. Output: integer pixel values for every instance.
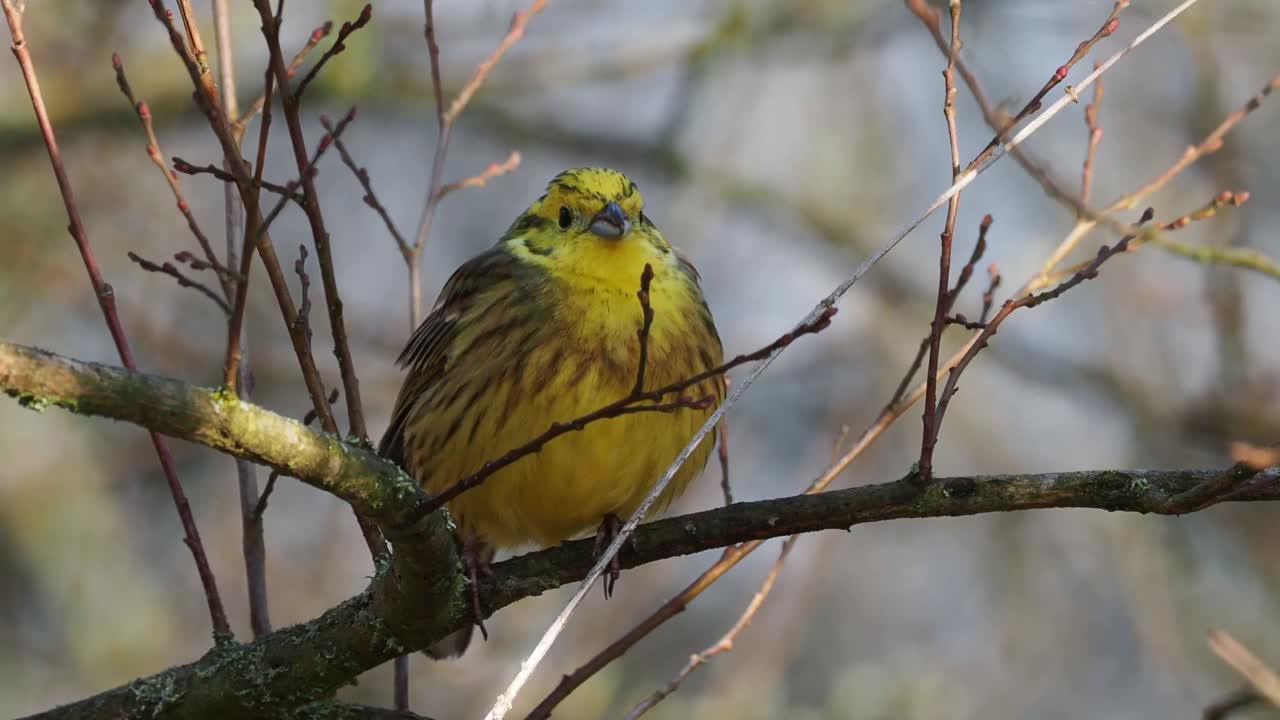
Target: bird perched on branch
(545, 327)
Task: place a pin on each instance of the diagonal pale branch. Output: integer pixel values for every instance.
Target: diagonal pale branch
(420, 595)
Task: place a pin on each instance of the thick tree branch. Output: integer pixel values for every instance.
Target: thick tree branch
(421, 595)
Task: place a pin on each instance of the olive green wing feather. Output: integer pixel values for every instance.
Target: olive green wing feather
(469, 301)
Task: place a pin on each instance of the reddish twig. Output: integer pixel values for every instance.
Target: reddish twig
(722, 452)
(255, 107)
(288, 191)
(106, 302)
(1088, 272)
(482, 178)
(1109, 26)
(304, 280)
(929, 418)
(245, 186)
(319, 234)
(989, 295)
(370, 197)
(254, 226)
(252, 536)
(1095, 139)
(445, 118)
(157, 157)
(339, 44)
(169, 269)
(966, 273)
(1264, 679)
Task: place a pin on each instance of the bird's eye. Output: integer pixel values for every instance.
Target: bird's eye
(566, 218)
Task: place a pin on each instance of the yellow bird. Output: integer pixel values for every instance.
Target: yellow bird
(542, 328)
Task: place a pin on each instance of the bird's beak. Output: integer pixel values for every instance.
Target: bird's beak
(610, 223)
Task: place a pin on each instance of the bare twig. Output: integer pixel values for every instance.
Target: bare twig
(288, 191)
(482, 178)
(1238, 699)
(929, 418)
(252, 535)
(1095, 139)
(370, 197)
(339, 44)
(245, 186)
(106, 302)
(646, 313)
(319, 234)
(445, 118)
(979, 248)
(1028, 301)
(157, 157)
(1263, 678)
(722, 452)
(168, 268)
(238, 127)
(1033, 105)
(304, 281)
(253, 228)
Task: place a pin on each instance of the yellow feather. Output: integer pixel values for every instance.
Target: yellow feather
(543, 328)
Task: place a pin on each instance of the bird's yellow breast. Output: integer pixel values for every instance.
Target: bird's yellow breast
(584, 355)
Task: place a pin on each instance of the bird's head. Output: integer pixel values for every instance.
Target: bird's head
(587, 212)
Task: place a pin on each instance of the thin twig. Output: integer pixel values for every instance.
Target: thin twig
(106, 302)
(252, 535)
(168, 268)
(304, 281)
(930, 419)
(339, 44)
(255, 107)
(990, 328)
(154, 152)
(1210, 144)
(722, 452)
(966, 274)
(482, 178)
(1238, 699)
(370, 197)
(253, 227)
(192, 26)
(288, 191)
(1263, 678)
(1095, 139)
(244, 185)
(319, 234)
(445, 118)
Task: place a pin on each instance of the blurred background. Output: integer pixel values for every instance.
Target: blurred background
(777, 144)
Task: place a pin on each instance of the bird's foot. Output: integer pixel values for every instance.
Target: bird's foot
(609, 528)
(476, 558)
